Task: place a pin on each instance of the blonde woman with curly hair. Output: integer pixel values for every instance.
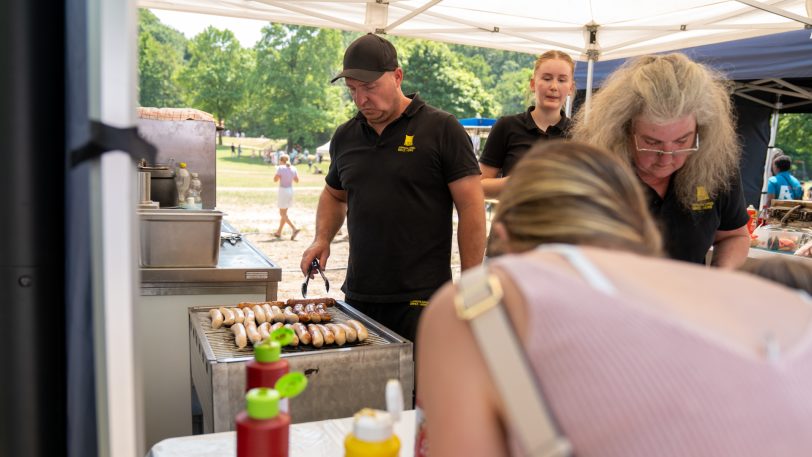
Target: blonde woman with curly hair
(627, 353)
(671, 119)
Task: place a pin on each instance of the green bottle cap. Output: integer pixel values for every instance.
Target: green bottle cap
(282, 335)
(262, 403)
(268, 351)
(291, 384)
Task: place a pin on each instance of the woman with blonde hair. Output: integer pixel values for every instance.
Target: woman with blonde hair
(671, 119)
(510, 138)
(582, 340)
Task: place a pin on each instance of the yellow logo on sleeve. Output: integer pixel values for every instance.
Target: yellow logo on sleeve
(703, 201)
(408, 144)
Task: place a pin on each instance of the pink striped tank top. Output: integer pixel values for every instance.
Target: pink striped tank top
(622, 382)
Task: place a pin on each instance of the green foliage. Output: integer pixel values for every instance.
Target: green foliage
(795, 139)
(214, 78)
(443, 81)
(160, 58)
(512, 92)
(291, 85)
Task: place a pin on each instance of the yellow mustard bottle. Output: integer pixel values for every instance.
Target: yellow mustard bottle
(372, 435)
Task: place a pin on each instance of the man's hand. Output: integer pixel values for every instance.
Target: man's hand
(317, 250)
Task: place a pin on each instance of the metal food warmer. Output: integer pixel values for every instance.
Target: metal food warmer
(342, 380)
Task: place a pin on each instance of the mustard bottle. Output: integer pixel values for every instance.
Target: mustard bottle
(372, 435)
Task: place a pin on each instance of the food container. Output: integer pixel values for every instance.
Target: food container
(179, 238)
(783, 239)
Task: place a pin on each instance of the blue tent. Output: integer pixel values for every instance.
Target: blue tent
(481, 122)
(783, 55)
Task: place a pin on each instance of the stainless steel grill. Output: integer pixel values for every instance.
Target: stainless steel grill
(342, 379)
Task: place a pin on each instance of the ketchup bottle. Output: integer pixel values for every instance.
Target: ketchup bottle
(262, 430)
(267, 366)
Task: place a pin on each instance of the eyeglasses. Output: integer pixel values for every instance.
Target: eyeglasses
(660, 152)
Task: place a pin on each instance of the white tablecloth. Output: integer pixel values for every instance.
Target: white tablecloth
(310, 439)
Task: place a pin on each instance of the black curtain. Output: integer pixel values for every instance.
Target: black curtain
(753, 127)
(32, 252)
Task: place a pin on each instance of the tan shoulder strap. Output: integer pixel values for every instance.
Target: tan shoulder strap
(479, 301)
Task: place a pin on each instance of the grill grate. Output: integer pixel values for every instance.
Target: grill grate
(221, 340)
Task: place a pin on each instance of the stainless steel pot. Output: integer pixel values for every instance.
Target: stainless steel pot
(162, 185)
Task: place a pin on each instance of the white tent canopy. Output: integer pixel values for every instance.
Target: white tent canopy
(587, 29)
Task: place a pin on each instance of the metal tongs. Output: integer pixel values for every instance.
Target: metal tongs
(314, 265)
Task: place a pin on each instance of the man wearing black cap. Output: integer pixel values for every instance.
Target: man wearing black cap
(396, 169)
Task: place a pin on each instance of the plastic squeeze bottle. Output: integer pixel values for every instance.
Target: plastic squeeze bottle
(373, 431)
(262, 429)
(182, 181)
(268, 366)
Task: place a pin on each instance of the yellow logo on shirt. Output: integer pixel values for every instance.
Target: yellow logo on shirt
(408, 144)
(703, 200)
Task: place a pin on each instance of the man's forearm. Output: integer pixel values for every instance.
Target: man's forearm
(731, 252)
(329, 216)
(471, 235)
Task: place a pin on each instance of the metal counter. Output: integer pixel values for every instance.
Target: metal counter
(243, 273)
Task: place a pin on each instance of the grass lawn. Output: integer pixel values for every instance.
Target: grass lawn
(249, 170)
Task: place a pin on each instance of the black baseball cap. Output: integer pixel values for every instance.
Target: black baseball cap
(368, 58)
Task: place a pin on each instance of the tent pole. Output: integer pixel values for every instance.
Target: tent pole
(592, 54)
(771, 153)
(773, 128)
(590, 68)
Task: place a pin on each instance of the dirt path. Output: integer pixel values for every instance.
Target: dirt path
(257, 223)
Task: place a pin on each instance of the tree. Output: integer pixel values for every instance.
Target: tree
(214, 78)
(435, 72)
(294, 65)
(794, 132)
(512, 92)
(160, 58)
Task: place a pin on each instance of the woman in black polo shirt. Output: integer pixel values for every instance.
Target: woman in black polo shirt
(513, 135)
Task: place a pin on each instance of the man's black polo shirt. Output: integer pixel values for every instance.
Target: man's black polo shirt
(399, 205)
(688, 234)
(512, 136)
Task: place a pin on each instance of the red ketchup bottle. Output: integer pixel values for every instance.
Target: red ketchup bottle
(262, 430)
(267, 366)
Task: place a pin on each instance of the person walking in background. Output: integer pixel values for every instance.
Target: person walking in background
(286, 175)
(397, 168)
(783, 186)
(625, 353)
(512, 136)
(671, 119)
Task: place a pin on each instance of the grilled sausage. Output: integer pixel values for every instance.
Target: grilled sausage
(310, 309)
(264, 330)
(216, 318)
(295, 340)
(239, 316)
(300, 312)
(302, 333)
(315, 333)
(340, 334)
(359, 328)
(276, 326)
(321, 308)
(259, 314)
(303, 301)
(240, 336)
(253, 334)
(266, 308)
(249, 316)
(352, 335)
(278, 315)
(290, 316)
(228, 316)
(329, 336)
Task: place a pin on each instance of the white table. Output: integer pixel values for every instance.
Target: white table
(309, 439)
